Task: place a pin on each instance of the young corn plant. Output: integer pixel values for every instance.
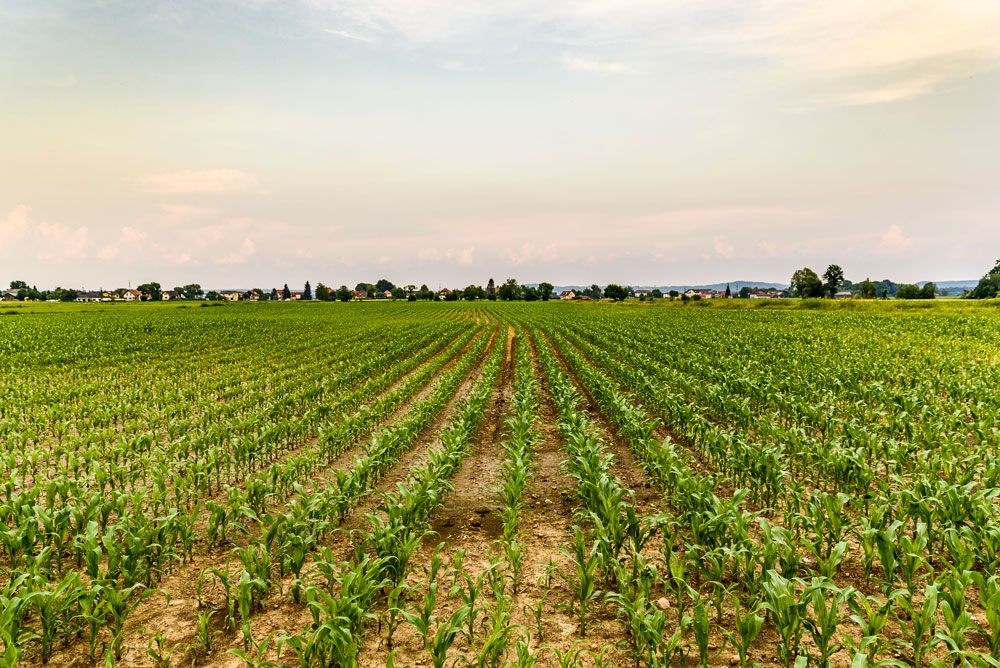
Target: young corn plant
(787, 609)
(583, 580)
(747, 627)
(917, 622)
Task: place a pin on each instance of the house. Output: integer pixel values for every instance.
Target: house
(8, 295)
(360, 294)
(387, 294)
(643, 293)
(230, 295)
(764, 294)
(443, 292)
(567, 294)
(250, 296)
(292, 295)
(703, 293)
(94, 297)
(131, 296)
(167, 295)
(843, 295)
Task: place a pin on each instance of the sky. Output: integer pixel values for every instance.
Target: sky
(252, 143)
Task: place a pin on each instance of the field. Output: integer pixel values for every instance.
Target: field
(431, 484)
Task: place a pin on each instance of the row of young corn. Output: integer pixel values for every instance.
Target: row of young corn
(123, 559)
(930, 608)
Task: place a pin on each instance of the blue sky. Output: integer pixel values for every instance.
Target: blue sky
(254, 142)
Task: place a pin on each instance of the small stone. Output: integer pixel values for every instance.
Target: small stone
(713, 647)
(734, 659)
(662, 603)
(547, 502)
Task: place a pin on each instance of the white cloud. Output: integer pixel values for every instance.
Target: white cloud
(894, 241)
(460, 256)
(127, 247)
(207, 181)
(581, 64)
(348, 35)
(722, 247)
(41, 240)
(240, 255)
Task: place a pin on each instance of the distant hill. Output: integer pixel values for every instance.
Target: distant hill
(952, 284)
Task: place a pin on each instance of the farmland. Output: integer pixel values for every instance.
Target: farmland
(540, 484)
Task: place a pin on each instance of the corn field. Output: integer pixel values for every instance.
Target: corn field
(489, 485)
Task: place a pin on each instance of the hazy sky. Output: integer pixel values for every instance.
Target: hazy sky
(254, 142)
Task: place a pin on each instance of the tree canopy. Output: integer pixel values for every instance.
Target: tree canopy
(989, 285)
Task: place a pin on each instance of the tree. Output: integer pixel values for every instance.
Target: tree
(929, 291)
(191, 291)
(382, 285)
(213, 296)
(509, 291)
(674, 294)
(17, 285)
(344, 294)
(833, 277)
(453, 295)
(152, 290)
(473, 292)
(491, 290)
(806, 284)
(729, 292)
(425, 293)
(545, 291)
(274, 295)
(307, 292)
(615, 292)
(530, 294)
(908, 291)
(987, 288)
(656, 293)
(323, 293)
(745, 291)
(868, 290)
(68, 295)
(594, 292)
(286, 294)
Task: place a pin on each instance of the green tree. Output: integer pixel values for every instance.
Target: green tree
(833, 277)
(68, 295)
(987, 288)
(530, 294)
(868, 290)
(729, 292)
(908, 291)
(151, 289)
(274, 295)
(545, 291)
(615, 292)
(286, 294)
(17, 285)
(806, 284)
(674, 294)
(383, 284)
(509, 291)
(929, 291)
(344, 294)
(491, 290)
(594, 292)
(322, 293)
(307, 292)
(213, 296)
(191, 291)
(473, 292)
(745, 291)
(656, 293)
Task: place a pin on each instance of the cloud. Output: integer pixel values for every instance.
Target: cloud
(894, 241)
(722, 247)
(207, 181)
(581, 64)
(348, 35)
(240, 255)
(916, 46)
(184, 212)
(41, 240)
(460, 256)
(129, 245)
(15, 226)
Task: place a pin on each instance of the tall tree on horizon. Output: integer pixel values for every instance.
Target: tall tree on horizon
(491, 290)
(286, 294)
(307, 293)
